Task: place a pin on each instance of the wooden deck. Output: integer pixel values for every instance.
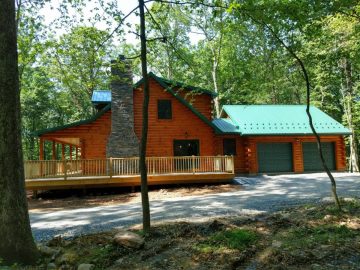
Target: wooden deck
(130, 180)
(75, 174)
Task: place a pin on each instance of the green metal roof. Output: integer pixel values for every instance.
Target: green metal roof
(281, 120)
(74, 124)
(101, 96)
(226, 125)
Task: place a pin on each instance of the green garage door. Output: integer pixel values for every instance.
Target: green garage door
(275, 157)
(311, 158)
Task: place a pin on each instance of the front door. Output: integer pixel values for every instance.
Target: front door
(186, 148)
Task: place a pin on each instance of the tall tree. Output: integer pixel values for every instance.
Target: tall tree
(144, 130)
(17, 244)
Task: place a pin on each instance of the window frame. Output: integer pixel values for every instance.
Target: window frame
(234, 148)
(160, 114)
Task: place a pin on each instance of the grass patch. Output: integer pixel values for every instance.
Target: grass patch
(308, 237)
(229, 239)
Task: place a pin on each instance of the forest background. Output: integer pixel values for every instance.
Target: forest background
(230, 47)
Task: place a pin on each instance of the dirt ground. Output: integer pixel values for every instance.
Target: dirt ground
(317, 237)
(71, 199)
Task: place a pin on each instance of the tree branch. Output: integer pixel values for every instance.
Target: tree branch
(186, 3)
(168, 40)
(117, 28)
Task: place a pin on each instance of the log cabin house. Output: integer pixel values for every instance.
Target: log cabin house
(260, 138)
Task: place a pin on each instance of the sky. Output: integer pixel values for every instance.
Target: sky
(51, 13)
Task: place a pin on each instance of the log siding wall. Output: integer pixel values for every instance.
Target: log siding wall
(93, 137)
(184, 125)
(246, 160)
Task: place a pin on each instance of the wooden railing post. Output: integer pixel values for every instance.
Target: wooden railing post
(128, 166)
(111, 167)
(233, 164)
(65, 169)
(193, 164)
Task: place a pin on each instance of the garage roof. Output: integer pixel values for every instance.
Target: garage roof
(277, 120)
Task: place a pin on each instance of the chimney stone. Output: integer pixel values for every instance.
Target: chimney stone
(122, 141)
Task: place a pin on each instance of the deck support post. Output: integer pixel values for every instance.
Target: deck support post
(35, 194)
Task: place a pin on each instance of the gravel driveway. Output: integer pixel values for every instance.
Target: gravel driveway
(260, 194)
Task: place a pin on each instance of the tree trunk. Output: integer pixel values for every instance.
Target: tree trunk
(143, 142)
(216, 89)
(216, 52)
(17, 244)
(348, 96)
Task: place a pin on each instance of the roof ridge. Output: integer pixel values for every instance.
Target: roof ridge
(177, 84)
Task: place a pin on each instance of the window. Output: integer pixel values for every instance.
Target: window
(164, 109)
(229, 146)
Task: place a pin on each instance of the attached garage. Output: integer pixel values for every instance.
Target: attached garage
(274, 157)
(311, 158)
(278, 138)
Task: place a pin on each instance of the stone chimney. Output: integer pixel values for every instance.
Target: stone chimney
(122, 141)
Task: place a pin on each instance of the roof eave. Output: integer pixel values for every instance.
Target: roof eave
(78, 123)
(296, 134)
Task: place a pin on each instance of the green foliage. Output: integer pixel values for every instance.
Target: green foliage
(78, 65)
(57, 74)
(231, 50)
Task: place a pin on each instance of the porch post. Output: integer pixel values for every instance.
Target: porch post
(77, 153)
(41, 149)
(62, 151)
(53, 157)
(53, 150)
(71, 151)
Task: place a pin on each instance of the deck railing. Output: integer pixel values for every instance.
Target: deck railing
(127, 166)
